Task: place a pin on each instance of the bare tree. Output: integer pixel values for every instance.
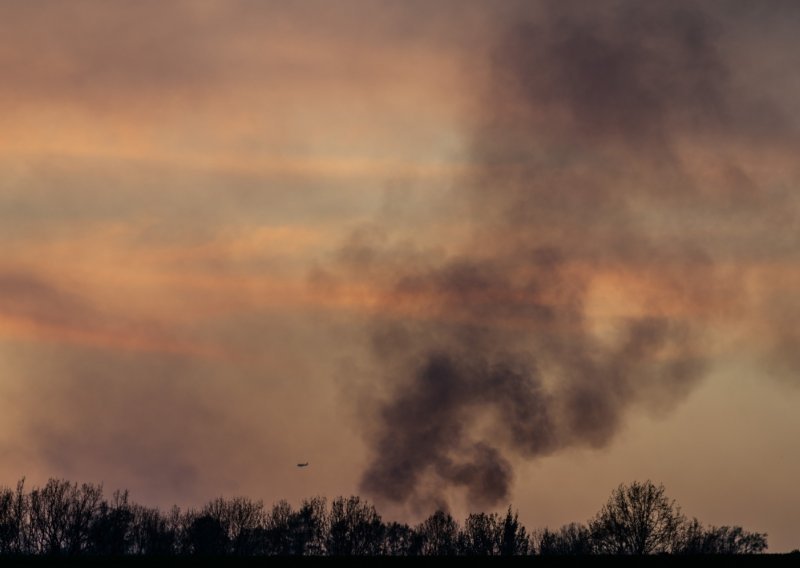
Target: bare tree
(310, 527)
(111, 526)
(13, 513)
(207, 537)
(514, 539)
(60, 516)
(399, 540)
(637, 519)
(482, 535)
(63, 518)
(697, 539)
(571, 539)
(243, 522)
(355, 528)
(297, 533)
(438, 535)
(151, 533)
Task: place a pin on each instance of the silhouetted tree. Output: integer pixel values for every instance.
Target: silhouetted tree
(206, 536)
(637, 519)
(243, 522)
(354, 528)
(438, 535)
(83, 506)
(400, 540)
(309, 528)
(570, 539)
(515, 541)
(13, 513)
(152, 534)
(111, 528)
(48, 518)
(736, 540)
(60, 516)
(279, 537)
(297, 533)
(481, 536)
(696, 539)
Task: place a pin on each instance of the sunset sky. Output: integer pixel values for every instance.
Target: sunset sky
(451, 253)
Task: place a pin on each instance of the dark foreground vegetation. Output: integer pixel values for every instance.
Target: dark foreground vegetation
(63, 518)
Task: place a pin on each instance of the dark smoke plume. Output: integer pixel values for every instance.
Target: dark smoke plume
(487, 346)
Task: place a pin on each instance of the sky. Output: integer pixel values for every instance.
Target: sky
(453, 254)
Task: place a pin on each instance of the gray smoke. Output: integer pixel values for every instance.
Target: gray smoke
(487, 348)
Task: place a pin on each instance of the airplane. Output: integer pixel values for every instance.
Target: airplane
(302, 464)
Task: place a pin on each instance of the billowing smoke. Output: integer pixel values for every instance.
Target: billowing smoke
(502, 343)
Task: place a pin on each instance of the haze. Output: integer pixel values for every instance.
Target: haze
(449, 253)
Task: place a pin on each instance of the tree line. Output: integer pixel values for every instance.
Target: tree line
(66, 519)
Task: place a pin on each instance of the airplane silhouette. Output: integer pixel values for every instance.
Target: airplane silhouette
(302, 464)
